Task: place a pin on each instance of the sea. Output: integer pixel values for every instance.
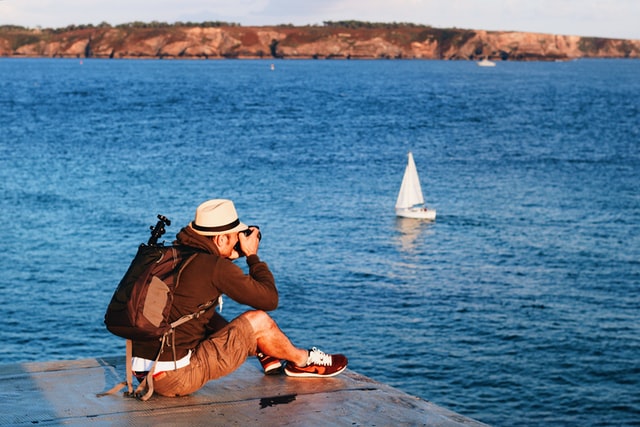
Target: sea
(518, 306)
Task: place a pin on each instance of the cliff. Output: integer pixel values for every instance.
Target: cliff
(392, 41)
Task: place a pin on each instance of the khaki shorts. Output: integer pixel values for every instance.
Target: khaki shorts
(220, 354)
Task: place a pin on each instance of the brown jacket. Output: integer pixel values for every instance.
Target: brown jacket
(206, 278)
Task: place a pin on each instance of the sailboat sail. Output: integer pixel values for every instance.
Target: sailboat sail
(410, 191)
(410, 203)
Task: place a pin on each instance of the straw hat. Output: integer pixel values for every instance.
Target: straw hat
(215, 217)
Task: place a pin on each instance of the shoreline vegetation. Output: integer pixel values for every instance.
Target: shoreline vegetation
(332, 40)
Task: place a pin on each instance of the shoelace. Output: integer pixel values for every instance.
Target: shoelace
(317, 357)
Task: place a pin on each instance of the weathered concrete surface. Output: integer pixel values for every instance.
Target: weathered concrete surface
(64, 393)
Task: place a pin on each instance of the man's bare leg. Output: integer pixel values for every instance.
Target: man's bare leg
(272, 341)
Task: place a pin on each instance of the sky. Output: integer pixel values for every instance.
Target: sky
(595, 18)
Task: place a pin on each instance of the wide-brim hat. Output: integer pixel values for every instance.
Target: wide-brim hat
(215, 217)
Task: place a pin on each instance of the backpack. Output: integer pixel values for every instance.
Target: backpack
(140, 307)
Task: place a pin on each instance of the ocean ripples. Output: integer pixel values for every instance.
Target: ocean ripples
(517, 306)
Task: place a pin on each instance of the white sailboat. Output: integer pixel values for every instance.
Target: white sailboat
(486, 63)
(410, 203)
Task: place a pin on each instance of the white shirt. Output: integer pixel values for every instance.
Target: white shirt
(139, 364)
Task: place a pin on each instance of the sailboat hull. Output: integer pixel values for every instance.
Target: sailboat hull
(416, 213)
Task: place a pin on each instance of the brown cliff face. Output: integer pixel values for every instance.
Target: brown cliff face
(410, 42)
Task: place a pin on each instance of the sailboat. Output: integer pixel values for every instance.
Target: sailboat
(486, 63)
(410, 203)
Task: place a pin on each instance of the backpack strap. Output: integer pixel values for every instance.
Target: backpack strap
(129, 368)
(147, 382)
(129, 380)
(148, 379)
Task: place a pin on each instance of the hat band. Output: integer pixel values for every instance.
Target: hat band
(217, 229)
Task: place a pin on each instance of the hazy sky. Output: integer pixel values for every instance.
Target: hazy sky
(598, 18)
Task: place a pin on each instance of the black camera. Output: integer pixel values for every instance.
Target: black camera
(246, 233)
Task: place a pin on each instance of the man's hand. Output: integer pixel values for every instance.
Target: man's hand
(249, 244)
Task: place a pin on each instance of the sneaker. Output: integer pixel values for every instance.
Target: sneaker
(319, 364)
(271, 365)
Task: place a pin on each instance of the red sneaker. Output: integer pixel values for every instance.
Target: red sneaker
(319, 364)
(271, 365)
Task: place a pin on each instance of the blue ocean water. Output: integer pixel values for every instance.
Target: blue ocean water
(519, 305)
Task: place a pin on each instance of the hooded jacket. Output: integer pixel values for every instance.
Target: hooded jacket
(204, 279)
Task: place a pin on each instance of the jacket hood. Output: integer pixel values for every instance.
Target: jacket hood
(188, 237)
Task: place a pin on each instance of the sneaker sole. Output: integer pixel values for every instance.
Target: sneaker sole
(312, 374)
(275, 370)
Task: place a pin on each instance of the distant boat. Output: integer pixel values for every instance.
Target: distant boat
(410, 203)
(486, 63)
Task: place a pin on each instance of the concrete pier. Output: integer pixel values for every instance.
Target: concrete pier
(65, 393)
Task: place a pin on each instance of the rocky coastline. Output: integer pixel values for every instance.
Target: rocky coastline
(381, 41)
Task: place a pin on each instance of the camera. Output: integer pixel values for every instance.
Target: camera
(246, 233)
